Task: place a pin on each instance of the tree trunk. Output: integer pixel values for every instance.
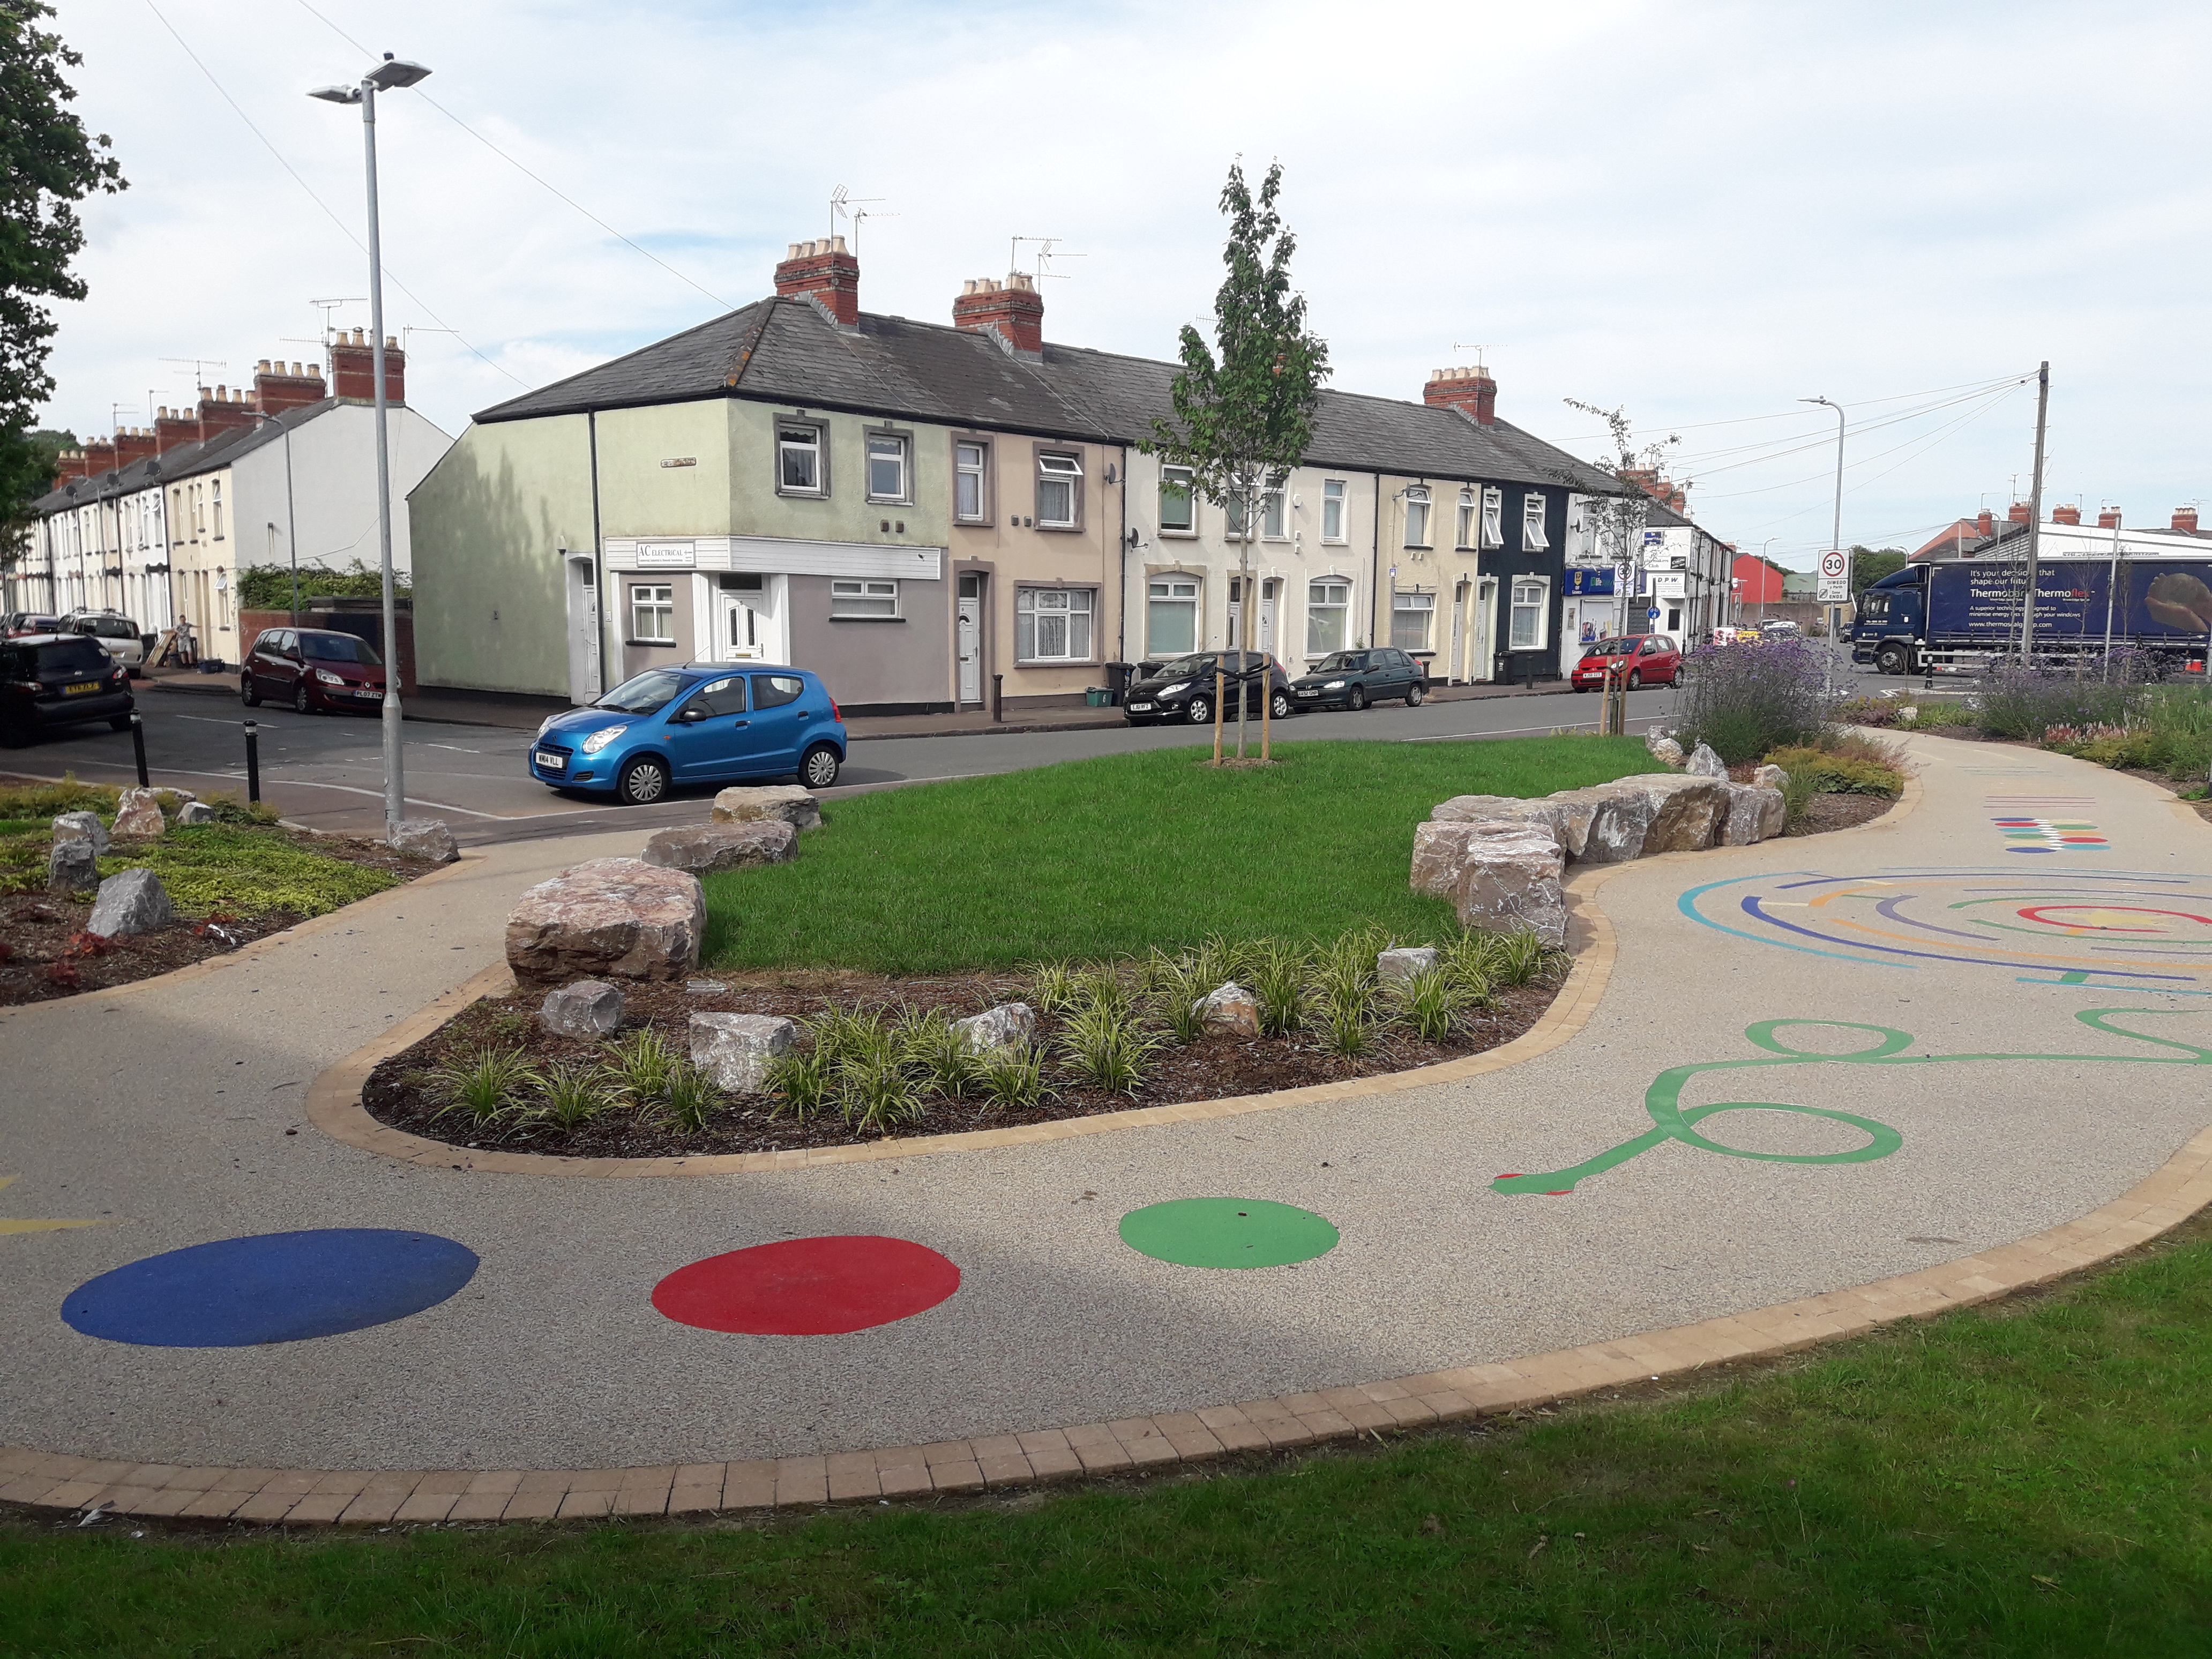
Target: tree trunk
(1245, 606)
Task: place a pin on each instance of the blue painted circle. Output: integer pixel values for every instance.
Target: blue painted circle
(272, 1287)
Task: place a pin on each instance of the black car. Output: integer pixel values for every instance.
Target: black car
(1352, 679)
(58, 679)
(1184, 690)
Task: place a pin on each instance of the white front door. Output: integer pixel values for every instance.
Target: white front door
(1458, 659)
(583, 633)
(970, 639)
(1479, 656)
(1267, 591)
(741, 634)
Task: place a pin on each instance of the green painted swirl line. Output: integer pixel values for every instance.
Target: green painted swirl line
(1672, 1120)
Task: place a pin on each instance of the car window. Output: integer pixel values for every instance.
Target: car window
(339, 647)
(774, 690)
(77, 656)
(1343, 662)
(114, 628)
(719, 697)
(1183, 668)
(645, 694)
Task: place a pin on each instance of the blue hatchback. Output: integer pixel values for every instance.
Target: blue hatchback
(699, 723)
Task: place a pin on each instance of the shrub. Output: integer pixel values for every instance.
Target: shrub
(483, 1084)
(1935, 712)
(269, 587)
(2025, 699)
(941, 1054)
(1106, 1048)
(1279, 984)
(689, 1098)
(799, 1082)
(1053, 986)
(1015, 1077)
(1848, 770)
(571, 1093)
(643, 1062)
(1431, 1003)
(1743, 699)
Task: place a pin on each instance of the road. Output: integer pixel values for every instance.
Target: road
(325, 771)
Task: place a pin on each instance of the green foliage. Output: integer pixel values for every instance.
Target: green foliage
(269, 587)
(1015, 1077)
(1105, 1046)
(1828, 772)
(1871, 564)
(1465, 961)
(571, 1093)
(876, 1089)
(643, 1062)
(939, 1054)
(1279, 984)
(241, 871)
(1052, 987)
(1431, 1002)
(1798, 790)
(687, 1098)
(484, 1084)
(799, 1083)
(1934, 714)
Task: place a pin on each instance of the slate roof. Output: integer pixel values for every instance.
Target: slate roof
(183, 461)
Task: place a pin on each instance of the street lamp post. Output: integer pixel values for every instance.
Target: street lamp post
(1764, 570)
(1836, 536)
(388, 76)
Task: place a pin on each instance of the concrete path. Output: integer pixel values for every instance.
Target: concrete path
(1925, 989)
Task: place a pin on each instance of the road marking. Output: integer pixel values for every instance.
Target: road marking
(301, 783)
(455, 747)
(1501, 732)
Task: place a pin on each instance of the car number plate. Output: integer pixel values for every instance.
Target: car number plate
(1140, 708)
(1308, 692)
(79, 690)
(550, 762)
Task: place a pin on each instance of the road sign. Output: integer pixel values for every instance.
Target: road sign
(1652, 615)
(1834, 587)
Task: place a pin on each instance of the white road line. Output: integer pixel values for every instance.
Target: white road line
(1501, 732)
(301, 783)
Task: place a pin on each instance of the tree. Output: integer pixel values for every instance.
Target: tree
(1616, 520)
(1870, 564)
(47, 163)
(1245, 414)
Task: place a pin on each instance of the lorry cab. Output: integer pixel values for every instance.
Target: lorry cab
(1891, 621)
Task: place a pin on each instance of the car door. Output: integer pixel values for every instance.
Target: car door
(781, 724)
(710, 733)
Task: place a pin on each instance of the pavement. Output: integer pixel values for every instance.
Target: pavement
(1802, 1066)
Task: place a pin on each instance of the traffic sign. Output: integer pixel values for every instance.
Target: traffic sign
(1834, 587)
(1652, 615)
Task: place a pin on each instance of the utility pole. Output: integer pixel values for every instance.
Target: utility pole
(2035, 512)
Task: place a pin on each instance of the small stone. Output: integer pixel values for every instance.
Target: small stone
(1654, 737)
(81, 826)
(703, 988)
(1668, 752)
(787, 801)
(1010, 1026)
(1909, 713)
(608, 919)
(736, 1049)
(1769, 776)
(1232, 1011)
(72, 867)
(1407, 962)
(195, 811)
(589, 1008)
(424, 838)
(133, 902)
(1703, 763)
(703, 849)
(139, 813)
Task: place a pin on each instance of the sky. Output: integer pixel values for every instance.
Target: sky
(1698, 214)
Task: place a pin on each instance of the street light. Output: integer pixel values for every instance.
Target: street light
(387, 76)
(1836, 540)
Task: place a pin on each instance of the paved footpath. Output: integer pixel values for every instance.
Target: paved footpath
(1905, 1033)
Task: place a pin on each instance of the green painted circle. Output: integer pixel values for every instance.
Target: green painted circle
(1227, 1232)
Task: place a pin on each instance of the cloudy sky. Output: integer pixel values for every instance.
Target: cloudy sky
(1700, 214)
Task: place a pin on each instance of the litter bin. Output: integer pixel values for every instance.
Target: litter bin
(1117, 682)
(1097, 696)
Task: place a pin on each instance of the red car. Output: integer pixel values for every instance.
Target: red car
(316, 669)
(1650, 658)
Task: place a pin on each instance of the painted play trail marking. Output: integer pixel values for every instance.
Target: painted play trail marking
(9, 1225)
(827, 1286)
(1227, 1232)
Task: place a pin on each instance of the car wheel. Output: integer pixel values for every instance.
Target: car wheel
(818, 767)
(643, 781)
(1414, 693)
(1894, 659)
(1199, 713)
(1356, 699)
(1279, 706)
(1635, 679)
(247, 693)
(300, 700)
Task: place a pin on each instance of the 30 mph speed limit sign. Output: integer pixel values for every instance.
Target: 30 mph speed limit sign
(1835, 584)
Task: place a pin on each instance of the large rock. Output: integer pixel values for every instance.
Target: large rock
(139, 813)
(72, 867)
(786, 801)
(1653, 812)
(133, 902)
(1703, 763)
(81, 826)
(703, 849)
(195, 811)
(1755, 813)
(589, 1008)
(1511, 881)
(1407, 962)
(736, 1049)
(1769, 775)
(1232, 1011)
(1546, 810)
(608, 919)
(1689, 817)
(1439, 849)
(424, 838)
(1002, 1029)
(1669, 751)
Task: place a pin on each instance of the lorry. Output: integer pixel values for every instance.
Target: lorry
(1951, 617)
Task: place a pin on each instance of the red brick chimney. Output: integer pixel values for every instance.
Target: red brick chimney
(823, 272)
(71, 463)
(2065, 515)
(99, 457)
(1470, 389)
(353, 369)
(174, 428)
(2018, 514)
(1013, 310)
(221, 411)
(2184, 517)
(132, 443)
(276, 391)
(2109, 519)
(1986, 524)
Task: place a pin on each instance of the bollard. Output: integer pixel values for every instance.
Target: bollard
(997, 697)
(138, 746)
(1218, 683)
(253, 763)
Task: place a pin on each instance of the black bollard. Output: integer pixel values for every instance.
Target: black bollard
(997, 697)
(253, 763)
(138, 746)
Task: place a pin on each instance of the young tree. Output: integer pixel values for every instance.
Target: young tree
(48, 163)
(1870, 564)
(1244, 408)
(1616, 519)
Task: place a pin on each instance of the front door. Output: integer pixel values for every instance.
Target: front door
(739, 633)
(1482, 660)
(1457, 660)
(583, 633)
(970, 642)
(1267, 591)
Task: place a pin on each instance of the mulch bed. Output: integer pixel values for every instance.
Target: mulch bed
(1839, 811)
(1210, 1068)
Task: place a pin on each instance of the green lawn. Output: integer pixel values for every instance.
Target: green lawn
(1100, 858)
(2026, 1479)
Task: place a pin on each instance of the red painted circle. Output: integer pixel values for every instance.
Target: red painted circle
(808, 1286)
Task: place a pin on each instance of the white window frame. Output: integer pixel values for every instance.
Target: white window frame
(1071, 606)
(1172, 591)
(901, 450)
(980, 470)
(1493, 518)
(215, 489)
(1533, 538)
(1275, 508)
(1416, 495)
(1470, 520)
(1336, 599)
(1406, 604)
(1189, 479)
(858, 599)
(1525, 594)
(1064, 467)
(818, 449)
(1331, 510)
(649, 600)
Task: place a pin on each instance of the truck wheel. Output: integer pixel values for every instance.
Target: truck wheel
(1893, 658)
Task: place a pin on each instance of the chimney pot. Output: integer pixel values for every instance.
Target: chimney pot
(2184, 517)
(2065, 515)
(1012, 310)
(823, 272)
(2018, 513)
(1463, 388)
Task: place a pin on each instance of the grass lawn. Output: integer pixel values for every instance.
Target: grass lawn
(1107, 857)
(2025, 1479)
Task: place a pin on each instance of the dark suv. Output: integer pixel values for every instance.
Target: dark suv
(316, 669)
(58, 679)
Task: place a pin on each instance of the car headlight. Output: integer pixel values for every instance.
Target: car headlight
(1333, 685)
(600, 739)
(329, 678)
(1170, 691)
(547, 721)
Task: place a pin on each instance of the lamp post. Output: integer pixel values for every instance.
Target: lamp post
(388, 76)
(1836, 537)
(1765, 569)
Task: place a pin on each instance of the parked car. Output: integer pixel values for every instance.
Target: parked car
(316, 669)
(698, 723)
(1352, 679)
(1650, 658)
(55, 679)
(117, 635)
(1184, 690)
(18, 624)
(1780, 625)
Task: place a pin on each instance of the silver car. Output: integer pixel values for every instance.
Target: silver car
(118, 634)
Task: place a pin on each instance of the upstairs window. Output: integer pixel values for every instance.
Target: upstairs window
(1532, 539)
(967, 467)
(1060, 492)
(1331, 510)
(1417, 517)
(1493, 518)
(1469, 522)
(798, 470)
(887, 469)
(1178, 504)
(1271, 508)
(216, 487)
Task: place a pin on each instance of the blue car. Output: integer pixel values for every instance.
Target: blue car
(700, 723)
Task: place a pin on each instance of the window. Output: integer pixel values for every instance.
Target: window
(1529, 606)
(968, 497)
(886, 467)
(1409, 620)
(1232, 516)
(1532, 539)
(1052, 624)
(1469, 526)
(652, 614)
(1327, 603)
(798, 470)
(1271, 508)
(1171, 616)
(1417, 517)
(863, 599)
(1331, 510)
(716, 697)
(774, 690)
(1178, 505)
(1060, 492)
(217, 487)
(1493, 518)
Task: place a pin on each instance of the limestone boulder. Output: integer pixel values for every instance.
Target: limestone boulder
(195, 811)
(1689, 817)
(133, 902)
(424, 838)
(785, 801)
(703, 849)
(1755, 813)
(1654, 812)
(1669, 751)
(1230, 1010)
(1511, 881)
(72, 867)
(1769, 776)
(1407, 962)
(589, 1008)
(139, 813)
(1703, 763)
(1003, 1030)
(1546, 810)
(1439, 849)
(736, 1049)
(608, 919)
(81, 826)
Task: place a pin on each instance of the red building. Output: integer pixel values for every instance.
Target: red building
(1759, 581)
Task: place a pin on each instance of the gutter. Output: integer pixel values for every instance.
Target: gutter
(1375, 561)
(598, 546)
